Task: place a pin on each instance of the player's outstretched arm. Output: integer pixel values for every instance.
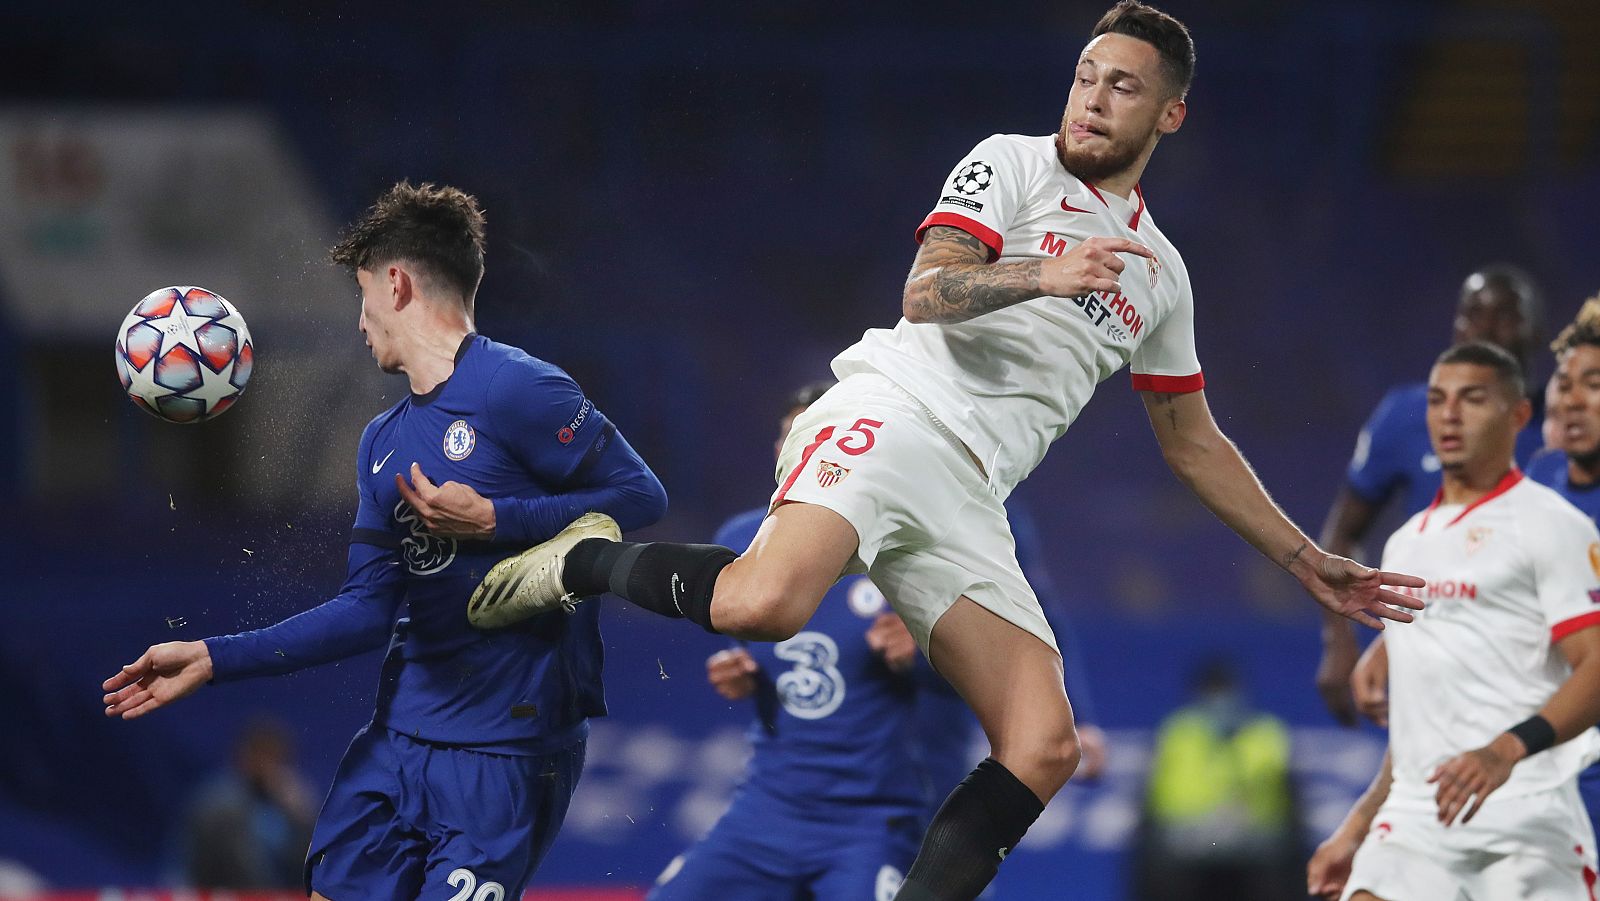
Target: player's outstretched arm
(1464, 781)
(1349, 521)
(165, 673)
(1329, 868)
(952, 279)
(1205, 460)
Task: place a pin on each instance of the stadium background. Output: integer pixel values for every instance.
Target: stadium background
(691, 208)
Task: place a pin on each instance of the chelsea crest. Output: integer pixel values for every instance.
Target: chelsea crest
(459, 440)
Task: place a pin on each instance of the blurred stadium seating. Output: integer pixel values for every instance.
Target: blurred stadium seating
(691, 208)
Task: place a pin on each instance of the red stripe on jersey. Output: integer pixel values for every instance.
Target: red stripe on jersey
(1506, 483)
(1133, 222)
(805, 457)
(1576, 624)
(972, 227)
(1169, 384)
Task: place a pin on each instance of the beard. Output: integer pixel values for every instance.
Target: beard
(1588, 460)
(1094, 164)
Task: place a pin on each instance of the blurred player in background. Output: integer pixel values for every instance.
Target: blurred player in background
(1496, 686)
(1571, 467)
(250, 826)
(854, 737)
(1499, 304)
(1041, 273)
(462, 779)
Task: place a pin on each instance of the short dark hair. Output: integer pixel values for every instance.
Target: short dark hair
(438, 228)
(806, 395)
(1482, 353)
(1156, 28)
(1517, 281)
(1584, 329)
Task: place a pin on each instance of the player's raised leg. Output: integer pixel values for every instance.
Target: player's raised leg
(1013, 682)
(766, 594)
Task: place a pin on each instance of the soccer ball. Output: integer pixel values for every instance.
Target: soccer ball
(184, 354)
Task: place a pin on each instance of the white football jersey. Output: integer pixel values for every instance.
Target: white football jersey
(1008, 383)
(1508, 576)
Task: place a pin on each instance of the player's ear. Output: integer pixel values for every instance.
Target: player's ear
(1172, 117)
(401, 287)
(1522, 413)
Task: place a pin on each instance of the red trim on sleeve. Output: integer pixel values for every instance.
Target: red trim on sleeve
(973, 227)
(805, 457)
(1576, 624)
(1169, 384)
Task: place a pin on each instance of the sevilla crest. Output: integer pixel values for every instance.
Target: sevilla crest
(829, 474)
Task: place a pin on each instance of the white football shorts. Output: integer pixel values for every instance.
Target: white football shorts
(930, 528)
(1535, 847)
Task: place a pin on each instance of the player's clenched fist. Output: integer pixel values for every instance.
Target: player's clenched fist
(163, 674)
(1090, 267)
(732, 673)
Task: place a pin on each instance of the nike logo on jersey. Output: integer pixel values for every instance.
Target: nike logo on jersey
(1070, 208)
(378, 466)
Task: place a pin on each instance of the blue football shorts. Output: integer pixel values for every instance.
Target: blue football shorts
(760, 851)
(411, 819)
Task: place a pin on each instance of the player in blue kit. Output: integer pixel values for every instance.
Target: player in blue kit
(460, 782)
(839, 787)
(854, 741)
(1572, 466)
(1393, 458)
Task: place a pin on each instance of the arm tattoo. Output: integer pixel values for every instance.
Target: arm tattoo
(965, 287)
(1168, 401)
(1290, 559)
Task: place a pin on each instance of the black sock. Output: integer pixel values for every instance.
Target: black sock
(978, 825)
(674, 580)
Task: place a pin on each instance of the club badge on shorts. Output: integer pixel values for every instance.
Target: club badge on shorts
(829, 474)
(459, 440)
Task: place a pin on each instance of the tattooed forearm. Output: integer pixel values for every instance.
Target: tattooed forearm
(1289, 560)
(951, 283)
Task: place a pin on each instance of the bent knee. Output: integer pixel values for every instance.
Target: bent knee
(760, 614)
(1045, 761)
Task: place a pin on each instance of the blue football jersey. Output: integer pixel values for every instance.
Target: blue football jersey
(835, 725)
(1394, 454)
(1549, 468)
(520, 432)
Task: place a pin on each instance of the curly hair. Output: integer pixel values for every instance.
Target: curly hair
(437, 228)
(1584, 328)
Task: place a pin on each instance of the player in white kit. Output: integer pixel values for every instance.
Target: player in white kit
(1040, 274)
(1494, 688)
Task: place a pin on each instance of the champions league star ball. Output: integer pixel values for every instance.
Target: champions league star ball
(184, 354)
